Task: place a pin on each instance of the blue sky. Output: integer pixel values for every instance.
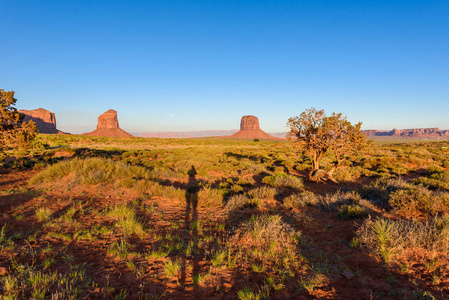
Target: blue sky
(202, 65)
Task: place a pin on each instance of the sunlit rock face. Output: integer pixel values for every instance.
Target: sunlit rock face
(44, 119)
(108, 126)
(249, 123)
(250, 129)
(108, 120)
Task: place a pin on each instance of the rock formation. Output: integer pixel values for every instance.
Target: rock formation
(44, 119)
(249, 129)
(411, 133)
(249, 123)
(108, 126)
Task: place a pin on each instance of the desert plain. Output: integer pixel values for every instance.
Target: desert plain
(88, 217)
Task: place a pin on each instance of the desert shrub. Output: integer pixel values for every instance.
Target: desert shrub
(126, 219)
(240, 201)
(406, 198)
(120, 248)
(350, 173)
(419, 200)
(210, 197)
(334, 200)
(388, 238)
(352, 211)
(265, 240)
(378, 192)
(343, 174)
(267, 233)
(246, 182)
(445, 163)
(288, 163)
(302, 166)
(434, 169)
(437, 180)
(235, 189)
(300, 200)
(149, 188)
(28, 282)
(43, 214)
(253, 169)
(283, 180)
(263, 192)
(172, 192)
(91, 171)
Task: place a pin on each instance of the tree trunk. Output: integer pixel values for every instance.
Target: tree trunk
(315, 165)
(319, 175)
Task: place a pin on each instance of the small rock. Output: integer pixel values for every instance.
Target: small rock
(347, 274)
(3, 271)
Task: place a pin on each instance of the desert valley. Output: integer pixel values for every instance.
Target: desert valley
(107, 215)
(246, 150)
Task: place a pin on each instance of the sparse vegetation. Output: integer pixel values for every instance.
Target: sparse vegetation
(243, 223)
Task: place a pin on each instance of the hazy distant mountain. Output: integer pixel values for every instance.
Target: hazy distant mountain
(197, 134)
(187, 134)
(282, 135)
(404, 133)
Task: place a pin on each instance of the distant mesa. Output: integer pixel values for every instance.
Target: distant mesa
(108, 126)
(44, 119)
(250, 129)
(409, 133)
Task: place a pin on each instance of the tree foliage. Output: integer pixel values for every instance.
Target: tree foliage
(315, 133)
(14, 133)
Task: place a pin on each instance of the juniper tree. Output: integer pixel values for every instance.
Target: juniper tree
(314, 134)
(14, 133)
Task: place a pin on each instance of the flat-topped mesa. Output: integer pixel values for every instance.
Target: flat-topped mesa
(249, 129)
(108, 126)
(414, 132)
(108, 120)
(249, 123)
(44, 119)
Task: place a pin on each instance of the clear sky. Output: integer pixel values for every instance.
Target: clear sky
(202, 65)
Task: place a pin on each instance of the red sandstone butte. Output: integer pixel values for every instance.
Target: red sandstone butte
(108, 126)
(250, 129)
(44, 119)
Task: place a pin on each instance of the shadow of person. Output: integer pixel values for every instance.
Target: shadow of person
(191, 223)
(192, 189)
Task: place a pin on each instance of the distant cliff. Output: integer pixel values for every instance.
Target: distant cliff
(44, 119)
(108, 126)
(411, 133)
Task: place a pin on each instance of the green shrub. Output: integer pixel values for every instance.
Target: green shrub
(267, 231)
(352, 211)
(333, 200)
(283, 180)
(172, 192)
(210, 197)
(126, 219)
(91, 171)
(419, 200)
(240, 201)
(378, 192)
(300, 200)
(437, 180)
(388, 238)
(43, 214)
(263, 192)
